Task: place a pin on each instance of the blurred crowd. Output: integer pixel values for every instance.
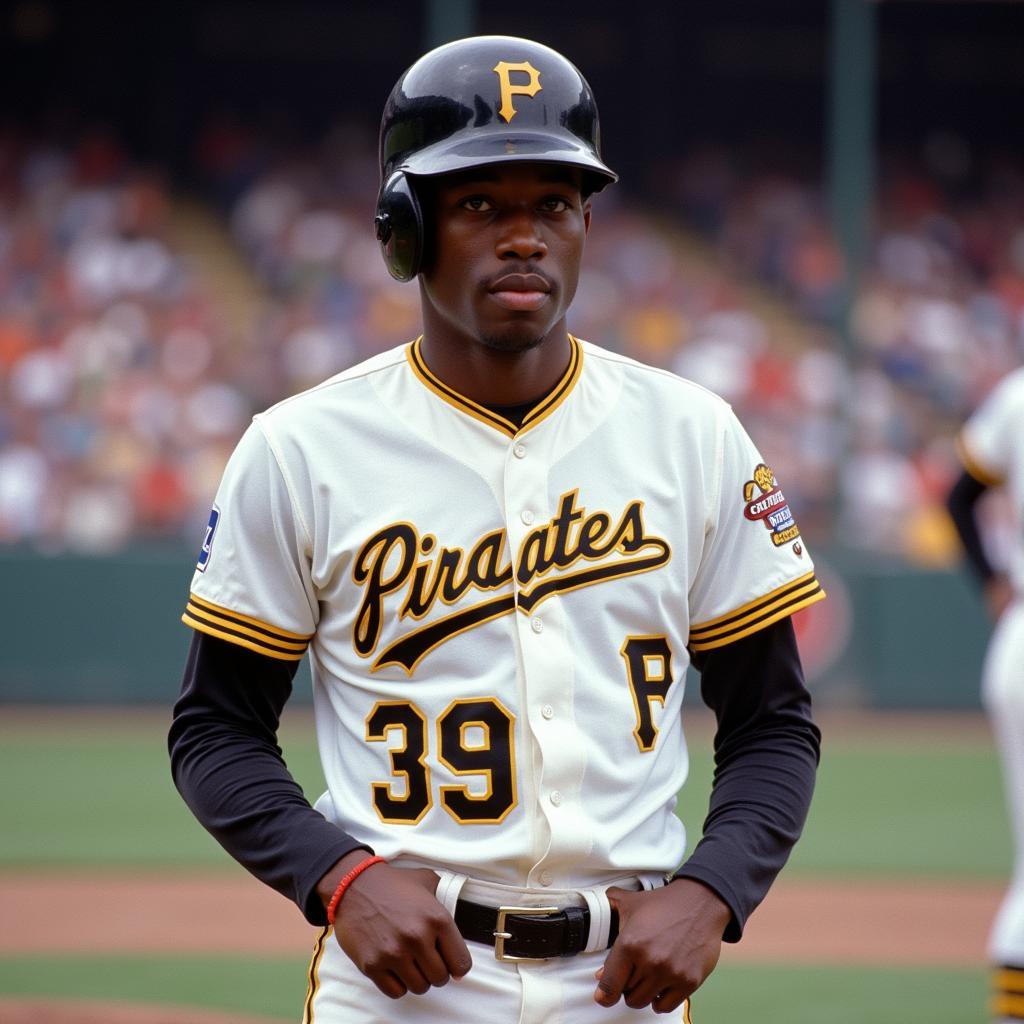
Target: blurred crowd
(117, 401)
(127, 373)
(937, 317)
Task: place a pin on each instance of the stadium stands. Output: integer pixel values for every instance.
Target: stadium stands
(138, 332)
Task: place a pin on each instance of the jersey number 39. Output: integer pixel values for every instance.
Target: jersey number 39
(475, 737)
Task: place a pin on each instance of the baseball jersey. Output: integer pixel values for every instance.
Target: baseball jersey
(499, 619)
(991, 447)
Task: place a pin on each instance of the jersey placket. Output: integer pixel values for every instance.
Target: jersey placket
(548, 721)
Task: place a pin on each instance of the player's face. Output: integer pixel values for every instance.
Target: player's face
(508, 240)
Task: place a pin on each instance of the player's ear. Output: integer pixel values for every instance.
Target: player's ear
(586, 214)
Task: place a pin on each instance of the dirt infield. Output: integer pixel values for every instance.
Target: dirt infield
(840, 923)
(844, 922)
(816, 922)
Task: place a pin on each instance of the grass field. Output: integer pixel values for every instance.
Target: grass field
(92, 790)
(95, 790)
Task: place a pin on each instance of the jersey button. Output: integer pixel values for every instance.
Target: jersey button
(556, 798)
(548, 711)
(519, 451)
(546, 878)
(527, 516)
(536, 625)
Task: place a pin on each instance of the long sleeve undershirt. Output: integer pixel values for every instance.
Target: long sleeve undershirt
(229, 768)
(766, 748)
(962, 504)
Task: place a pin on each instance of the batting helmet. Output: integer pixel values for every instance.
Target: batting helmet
(476, 101)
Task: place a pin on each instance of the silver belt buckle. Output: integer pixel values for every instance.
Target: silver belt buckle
(500, 935)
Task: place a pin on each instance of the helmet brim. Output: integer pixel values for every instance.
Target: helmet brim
(464, 151)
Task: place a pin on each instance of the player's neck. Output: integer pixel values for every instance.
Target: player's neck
(493, 377)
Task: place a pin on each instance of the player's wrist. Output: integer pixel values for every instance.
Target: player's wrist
(346, 881)
(328, 884)
(699, 894)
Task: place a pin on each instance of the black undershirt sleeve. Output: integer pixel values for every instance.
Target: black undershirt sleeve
(962, 502)
(229, 769)
(766, 750)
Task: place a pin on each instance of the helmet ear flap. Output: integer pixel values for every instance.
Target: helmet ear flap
(399, 227)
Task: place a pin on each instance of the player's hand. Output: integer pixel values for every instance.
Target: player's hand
(393, 929)
(669, 941)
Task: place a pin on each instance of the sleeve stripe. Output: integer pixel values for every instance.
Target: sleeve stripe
(754, 607)
(748, 626)
(244, 630)
(227, 613)
(783, 598)
(241, 641)
(260, 636)
(984, 476)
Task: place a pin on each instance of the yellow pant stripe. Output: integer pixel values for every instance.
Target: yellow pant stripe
(1008, 1006)
(1008, 979)
(314, 976)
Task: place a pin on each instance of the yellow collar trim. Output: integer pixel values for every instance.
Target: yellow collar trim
(540, 411)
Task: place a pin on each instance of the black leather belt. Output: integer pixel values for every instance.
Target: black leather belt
(528, 933)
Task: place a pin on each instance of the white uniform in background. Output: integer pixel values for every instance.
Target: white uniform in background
(992, 449)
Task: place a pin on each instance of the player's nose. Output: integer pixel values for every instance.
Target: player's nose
(519, 236)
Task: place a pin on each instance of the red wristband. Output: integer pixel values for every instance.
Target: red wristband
(332, 907)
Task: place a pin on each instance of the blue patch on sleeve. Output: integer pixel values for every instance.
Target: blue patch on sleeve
(211, 529)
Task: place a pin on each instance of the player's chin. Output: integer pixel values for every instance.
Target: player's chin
(513, 338)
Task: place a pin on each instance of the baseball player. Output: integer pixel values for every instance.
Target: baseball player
(991, 447)
(500, 546)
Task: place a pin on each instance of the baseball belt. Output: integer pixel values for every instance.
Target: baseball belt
(528, 933)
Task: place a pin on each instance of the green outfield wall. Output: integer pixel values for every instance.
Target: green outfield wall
(108, 630)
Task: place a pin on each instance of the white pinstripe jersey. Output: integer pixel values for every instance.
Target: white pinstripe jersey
(991, 447)
(498, 619)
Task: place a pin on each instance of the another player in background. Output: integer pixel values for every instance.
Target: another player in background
(501, 547)
(991, 447)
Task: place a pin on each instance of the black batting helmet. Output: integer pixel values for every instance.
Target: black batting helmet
(482, 100)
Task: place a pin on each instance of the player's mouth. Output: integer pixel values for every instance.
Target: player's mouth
(520, 292)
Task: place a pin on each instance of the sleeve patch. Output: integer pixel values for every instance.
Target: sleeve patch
(765, 503)
(207, 548)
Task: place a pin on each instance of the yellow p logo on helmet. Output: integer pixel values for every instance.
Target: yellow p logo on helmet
(503, 69)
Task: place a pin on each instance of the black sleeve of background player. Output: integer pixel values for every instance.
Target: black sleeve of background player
(229, 769)
(962, 502)
(766, 756)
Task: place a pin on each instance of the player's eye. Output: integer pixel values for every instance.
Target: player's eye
(555, 204)
(478, 204)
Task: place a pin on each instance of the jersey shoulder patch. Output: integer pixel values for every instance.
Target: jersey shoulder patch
(765, 503)
(211, 531)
